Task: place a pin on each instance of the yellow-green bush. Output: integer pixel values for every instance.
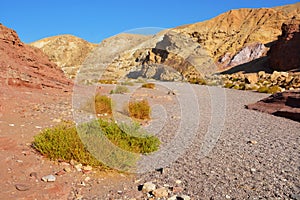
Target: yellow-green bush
(63, 141)
(103, 104)
(139, 109)
(148, 85)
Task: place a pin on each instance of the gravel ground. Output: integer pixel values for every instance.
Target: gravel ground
(255, 157)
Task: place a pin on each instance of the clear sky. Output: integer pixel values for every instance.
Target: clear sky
(94, 20)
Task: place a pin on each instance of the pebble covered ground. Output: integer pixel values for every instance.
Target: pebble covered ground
(256, 155)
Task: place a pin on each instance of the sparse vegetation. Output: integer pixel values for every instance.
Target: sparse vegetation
(99, 104)
(139, 109)
(148, 85)
(129, 83)
(120, 89)
(199, 81)
(228, 85)
(63, 141)
(108, 81)
(271, 89)
(103, 104)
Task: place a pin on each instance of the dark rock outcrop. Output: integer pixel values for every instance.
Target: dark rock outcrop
(25, 66)
(285, 104)
(284, 54)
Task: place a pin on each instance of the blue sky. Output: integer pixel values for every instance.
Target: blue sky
(95, 20)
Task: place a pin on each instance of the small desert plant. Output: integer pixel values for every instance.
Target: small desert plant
(263, 89)
(129, 83)
(63, 141)
(229, 85)
(139, 109)
(120, 89)
(103, 104)
(140, 80)
(272, 89)
(99, 104)
(199, 81)
(107, 81)
(148, 85)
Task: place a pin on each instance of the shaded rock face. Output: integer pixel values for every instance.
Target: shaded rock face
(245, 55)
(22, 65)
(67, 51)
(285, 104)
(227, 34)
(165, 57)
(284, 54)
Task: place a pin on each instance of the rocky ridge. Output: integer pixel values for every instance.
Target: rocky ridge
(23, 65)
(229, 33)
(230, 39)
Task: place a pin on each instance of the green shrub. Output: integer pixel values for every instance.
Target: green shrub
(120, 90)
(139, 109)
(63, 141)
(148, 85)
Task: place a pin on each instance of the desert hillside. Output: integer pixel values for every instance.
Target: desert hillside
(67, 51)
(227, 34)
(23, 65)
(230, 39)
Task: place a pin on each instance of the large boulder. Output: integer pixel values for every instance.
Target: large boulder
(284, 54)
(285, 104)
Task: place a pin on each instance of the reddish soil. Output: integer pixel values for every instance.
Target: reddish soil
(24, 112)
(35, 94)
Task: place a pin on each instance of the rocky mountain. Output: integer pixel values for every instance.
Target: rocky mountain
(67, 51)
(24, 66)
(235, 38)
(231, 36)
(170, 56)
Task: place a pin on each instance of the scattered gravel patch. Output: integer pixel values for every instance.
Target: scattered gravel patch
(255, 157)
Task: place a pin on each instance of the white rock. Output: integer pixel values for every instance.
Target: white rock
(49, 178)
(78, 167)
(185, 197)
(88, 168)
(11, 125)
(56, 120)
(148, 187)
(178, 181)
(173, 197)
